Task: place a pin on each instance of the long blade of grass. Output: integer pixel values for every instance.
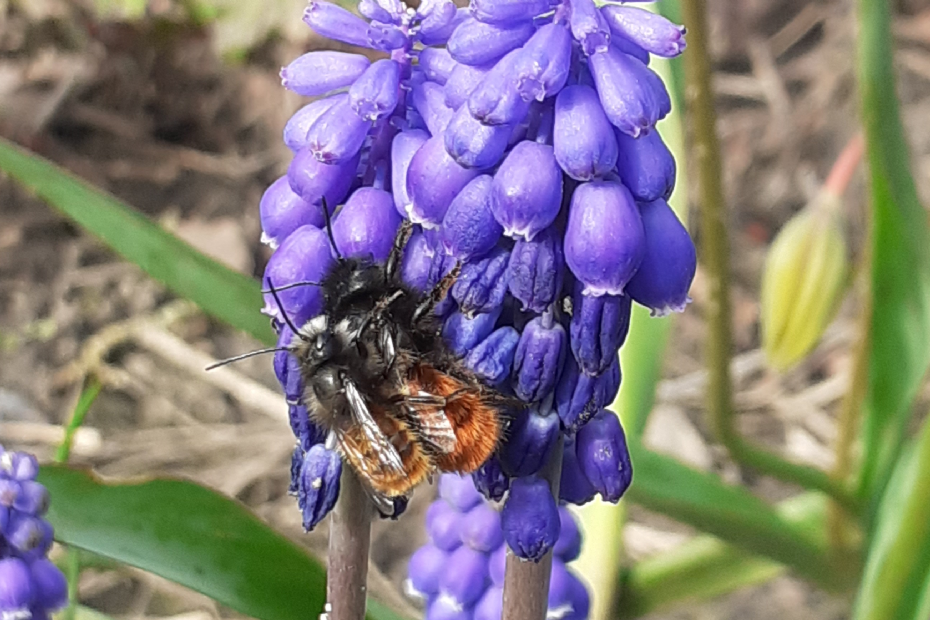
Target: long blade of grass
(227, 295)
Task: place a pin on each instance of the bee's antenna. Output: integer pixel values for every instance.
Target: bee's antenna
(230, 360)
(277, 300)
(293, 285)
(328, 218)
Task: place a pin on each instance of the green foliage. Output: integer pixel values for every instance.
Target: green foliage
(190, 535)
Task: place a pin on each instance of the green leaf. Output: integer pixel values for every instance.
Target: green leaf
(896, 581)
(728, 512)
(227, 295)
(900, 326)
(190, 535)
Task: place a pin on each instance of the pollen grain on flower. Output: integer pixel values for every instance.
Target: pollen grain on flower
(518, 136)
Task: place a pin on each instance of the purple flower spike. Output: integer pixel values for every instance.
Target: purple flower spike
(367, 224)
(9, 491)
(579, 397)
(436, 63)
(579, 597)
(287, 368)
(628, 47)
(424, 570)
(482, 529)
(496, 100)
(584, 141)
(490, 479)
(467, 582)
(497, 566)
(49, 585)
(462, 333)
(527, 191)
(444, 524)
(557, 599)
(295, 131)
(32, 498)
(318, 487)
(386, 37)
(16, 588)
(374, 11)
(589, 27)
(314, 180)
(646, 166)
(604, 239)
(633, 96)
(462, 81)
(338, 134)
(435, 31)
(491, 605)
(459, 491)
(435, 15)
(507, 11)
(492, 359)
(307, 433)
(662, 281)
(479, 43)
(305, 256)
(469, 229)
(473, 144)
(568, 547)
(604, 457)
(317, 73)
(331, 21)
(568, 598)
(447, 608)
(403, 148)
(482, 284)
(539, 358)
(529, 444)
(281, 212)
(429, 99)
(22, 465)
(374, 95)
(650, 31)
(598, 328)
(29, 537)
(433, 180)
(545, 62)
(417, 261)
(574, 486)
(536, 269)
(530, 519)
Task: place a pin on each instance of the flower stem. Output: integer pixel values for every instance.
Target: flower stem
(349, 539)
(526, 584)
(716, 261)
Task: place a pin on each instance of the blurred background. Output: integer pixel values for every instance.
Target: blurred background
(176, 108)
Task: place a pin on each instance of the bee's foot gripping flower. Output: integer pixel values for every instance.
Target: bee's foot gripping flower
(518, 137)
(30, 585)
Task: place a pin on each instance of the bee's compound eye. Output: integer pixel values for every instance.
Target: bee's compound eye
(327, 383)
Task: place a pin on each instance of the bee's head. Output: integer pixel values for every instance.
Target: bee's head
(314, 344)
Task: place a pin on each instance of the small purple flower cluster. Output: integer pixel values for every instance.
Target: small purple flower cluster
(31, 587)
(466, 532)
(517, 135)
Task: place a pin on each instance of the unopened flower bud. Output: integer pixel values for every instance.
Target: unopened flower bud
(633, 96)
(482, 529)
(584, 141)
(802, 282)
(599, 326)
(646, 166)
(527, 191)
(603, 456)
(433, 180)
(579, 397)
(544, 63)
(463, 333)
(367, 224)
(538, 361)
(469, 229)
(490, 479)
(443, 524)
(492, 359)
(317, 73)
(318, 488)
(426, 567)
(530, 519)
(374, 93)
(604, 240)
(649, 30)
(531, 439)
(482, 284)
(664, 276)
(536, 270)
(304, 256)
(479, 43)
(589, 27)
(467, 582)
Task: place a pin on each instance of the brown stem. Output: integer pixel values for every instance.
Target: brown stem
(349, 539)
(526, 584)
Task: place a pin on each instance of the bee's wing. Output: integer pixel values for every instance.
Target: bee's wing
(355, 455)
(384, 452)
(428, 420)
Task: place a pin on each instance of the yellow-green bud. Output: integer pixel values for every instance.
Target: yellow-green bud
(803, 281)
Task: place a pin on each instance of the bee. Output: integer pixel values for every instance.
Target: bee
(396, 403)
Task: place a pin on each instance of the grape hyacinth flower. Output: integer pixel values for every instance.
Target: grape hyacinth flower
(30, 585)
(473, 541)
(518, 137)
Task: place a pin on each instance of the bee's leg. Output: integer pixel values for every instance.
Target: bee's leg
(422, 400)
(397, 252)
(438, 293)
